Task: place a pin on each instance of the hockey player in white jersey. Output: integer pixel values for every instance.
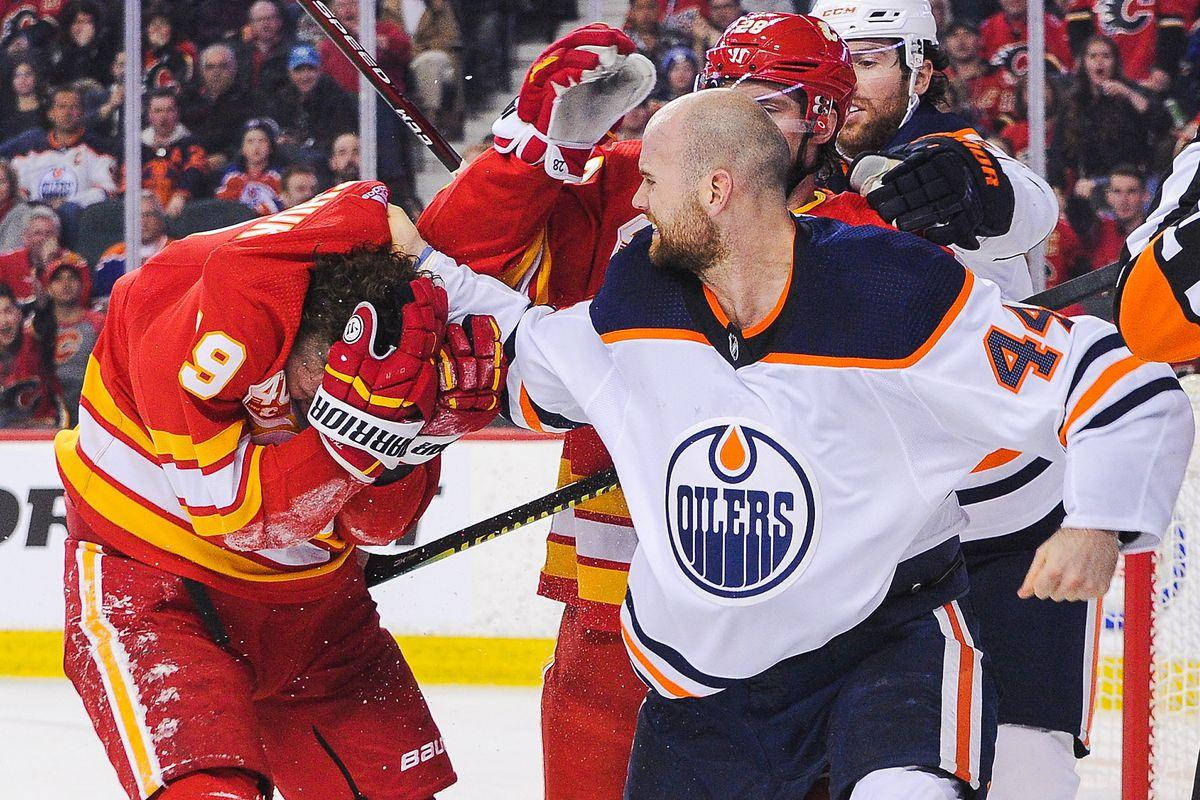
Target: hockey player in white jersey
(923, 169)
(790, 404)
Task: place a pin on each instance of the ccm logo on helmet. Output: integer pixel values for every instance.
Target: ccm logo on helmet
(742, 512)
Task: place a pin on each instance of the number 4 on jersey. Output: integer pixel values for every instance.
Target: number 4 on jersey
(1013, 359)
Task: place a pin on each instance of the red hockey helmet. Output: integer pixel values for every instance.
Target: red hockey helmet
(794, 50)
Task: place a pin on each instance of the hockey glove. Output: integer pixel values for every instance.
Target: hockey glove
(948, 190)
(372, 404)
(575, 92)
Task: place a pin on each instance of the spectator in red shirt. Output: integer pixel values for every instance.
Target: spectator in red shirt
(393, 49)
(255, 179)
(28, 385)
(174, 165)
(23, 270)
(1150, 34)
(1004, 42)
(68, 321)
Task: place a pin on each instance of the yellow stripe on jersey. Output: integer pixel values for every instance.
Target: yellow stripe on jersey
(560, 560)
(128, 514)
(513, 276)
(250, 492)
(602, 584)
(155, 443)
(128, 712)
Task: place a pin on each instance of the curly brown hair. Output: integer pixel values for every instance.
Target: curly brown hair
(340, 281)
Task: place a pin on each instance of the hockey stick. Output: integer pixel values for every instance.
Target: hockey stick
(409, 114)
(381, 568)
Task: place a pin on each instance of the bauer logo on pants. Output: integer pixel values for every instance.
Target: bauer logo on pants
(742, 511)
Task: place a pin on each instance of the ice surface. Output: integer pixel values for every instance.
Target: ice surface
(49, 751)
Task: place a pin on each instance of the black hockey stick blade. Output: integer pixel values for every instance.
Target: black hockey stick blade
(1076, 289)
(385, 567)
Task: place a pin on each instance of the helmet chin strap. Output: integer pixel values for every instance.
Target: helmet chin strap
(914, 99)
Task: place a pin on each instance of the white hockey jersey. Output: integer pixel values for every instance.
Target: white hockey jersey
(777, 476)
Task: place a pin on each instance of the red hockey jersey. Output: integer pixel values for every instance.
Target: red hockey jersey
(512, 221)
(171, 462)
(1003, 43)
(1135, 25)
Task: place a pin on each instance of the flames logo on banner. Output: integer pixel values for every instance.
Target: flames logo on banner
(742, 512)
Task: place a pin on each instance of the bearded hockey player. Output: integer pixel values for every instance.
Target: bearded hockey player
(790, 403)
(1158, 294)
(544, 212)
(218, 628)
(926, 170)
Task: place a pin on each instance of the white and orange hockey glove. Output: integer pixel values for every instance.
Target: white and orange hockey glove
(372, 404)
(471, 373)
(577, 90)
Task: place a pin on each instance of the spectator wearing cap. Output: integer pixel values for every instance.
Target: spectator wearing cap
(676, 74)
(68, 320)
(25, 269)
(299, 185)
(82, 50)
(23, 109)
(255, 179)
(263, 56)
(215, 108)
(1108, 119)
(174, 165)
(311, 109)
(168, 59)
(114, 263)
(393, 49)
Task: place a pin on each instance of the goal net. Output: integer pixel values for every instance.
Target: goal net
(1146, 728)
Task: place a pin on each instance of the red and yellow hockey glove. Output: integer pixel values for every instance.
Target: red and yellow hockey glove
(471, 373)
(372, 404)
(573, 94)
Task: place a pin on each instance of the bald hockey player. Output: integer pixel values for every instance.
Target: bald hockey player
(218, 628)
(786, 622)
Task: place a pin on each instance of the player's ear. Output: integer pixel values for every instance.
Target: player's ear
(715, 191)
(924, 77)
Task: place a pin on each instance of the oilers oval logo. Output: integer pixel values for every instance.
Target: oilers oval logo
(743, 513)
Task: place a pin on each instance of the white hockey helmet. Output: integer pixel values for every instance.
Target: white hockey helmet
(909, 21)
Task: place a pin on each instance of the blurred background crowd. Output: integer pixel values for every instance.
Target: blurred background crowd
(249, 110)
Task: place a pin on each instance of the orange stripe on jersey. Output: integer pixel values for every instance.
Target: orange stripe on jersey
(541, 279)
(1149, 316)
(528, 413)
(966, 677)
(1102, 384)
(670, 686)
(631, 334)
(996, 458)
(756, 329)
(951, 314)
(1097, 624)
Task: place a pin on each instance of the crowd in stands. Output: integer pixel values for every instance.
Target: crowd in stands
(248, 109)
(1122, 96)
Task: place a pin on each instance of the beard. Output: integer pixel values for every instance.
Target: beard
(689, 243)
(883, 120)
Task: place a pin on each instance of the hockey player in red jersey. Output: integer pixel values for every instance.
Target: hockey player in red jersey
(218, 627)
(544, 211)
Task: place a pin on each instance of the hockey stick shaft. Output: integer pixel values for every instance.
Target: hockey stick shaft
(381, 568)
(409, 114)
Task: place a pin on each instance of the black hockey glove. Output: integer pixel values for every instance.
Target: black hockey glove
(948, 190)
